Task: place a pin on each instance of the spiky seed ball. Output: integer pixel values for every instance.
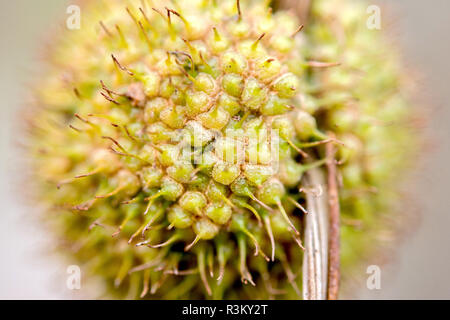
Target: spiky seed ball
(184, 129)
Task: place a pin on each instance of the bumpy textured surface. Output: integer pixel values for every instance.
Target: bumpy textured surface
(170, 140)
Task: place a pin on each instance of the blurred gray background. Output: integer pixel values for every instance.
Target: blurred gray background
(422, 268)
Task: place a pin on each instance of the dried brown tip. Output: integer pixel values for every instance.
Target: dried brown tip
(120, 66)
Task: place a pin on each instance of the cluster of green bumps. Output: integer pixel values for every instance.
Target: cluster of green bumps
(170, 141)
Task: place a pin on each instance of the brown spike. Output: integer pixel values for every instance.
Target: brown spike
(110, 194)
(145, 16)
(77, 93)
(201, 267)
(297, 31)
(158, 284)
(147, 40)
(270, 233)
(84, 206)
(262, 204)
(210, 259)
(238, 5)
(119, 31)
(134, 200)
(156, 261)
(76, 129)
(290, 275)
(88, 174)
(126, 154)
(146, 280)
(286, 218)
(120, 66)
(172, 239)
(159, 12)
(299, 242)
(97, 223)
(131, 15)
(142, 243)
(318, 64)
(182, 272)
(109, 91)
(189, 246)
(105, 28)
(178, 15)
(298, 205)
(245, 274)
(300, 151)
(128, 133)
(149, 224)
(135, 234)
(82, 119)
(115, 142)
(252, 210)
(109, 99)
(255, 44)
(150, 201)
(176, 53)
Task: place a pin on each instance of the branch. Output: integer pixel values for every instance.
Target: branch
(315, 259)
(334, 244)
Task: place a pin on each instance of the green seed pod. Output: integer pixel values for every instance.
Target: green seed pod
(280, 228)
(158, 132)
(229, 104)
(219, 213)
(287, 85)
(153, 109)
(290, 173)
(216, 192)
(193, 202)
(151, 176)
(195, 122)
(282, 44)
(218, 42)
(275, 106)
(233, 62)
(216, 118)
(169, 154)
(205, 229)
(257, 174)
(204, 82)
(267, 68)
(129, 182)
(306, 126)
(179, 218)
(173, 117)
(151, 82)
(225, 173)
(197, 135)
(171, 189)
(271, 192)
(197, 102)
(284, 126)
(181, 171)
(233, 84)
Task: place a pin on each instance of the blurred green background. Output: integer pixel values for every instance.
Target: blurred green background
(422, 267)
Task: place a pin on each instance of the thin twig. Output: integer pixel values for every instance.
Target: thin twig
(315, 258)
(334, 243)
